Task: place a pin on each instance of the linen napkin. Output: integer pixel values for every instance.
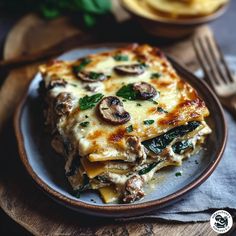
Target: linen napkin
(216, 193)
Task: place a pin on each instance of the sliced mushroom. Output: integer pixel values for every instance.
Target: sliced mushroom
(135, 69)
(56, 82)
(133, 189)
(111, 110)
(63, 104)
(144, 90)
(90, 76)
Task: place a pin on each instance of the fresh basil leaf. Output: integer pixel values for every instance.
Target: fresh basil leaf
(88, 102)
(121, 57)
(129, 129)
(148, 122)
(158, 144)
(127, 92)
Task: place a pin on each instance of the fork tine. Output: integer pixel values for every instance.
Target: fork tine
(222, 59)
(216, 59)
(204, 61)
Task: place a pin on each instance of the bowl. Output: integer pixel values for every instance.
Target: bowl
(166, 27)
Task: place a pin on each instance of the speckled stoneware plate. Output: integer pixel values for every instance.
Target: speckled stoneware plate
(47, 168)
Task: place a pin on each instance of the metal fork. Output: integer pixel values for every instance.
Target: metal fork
(216, 70)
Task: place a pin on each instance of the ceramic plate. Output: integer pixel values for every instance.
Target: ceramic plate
(47, 168)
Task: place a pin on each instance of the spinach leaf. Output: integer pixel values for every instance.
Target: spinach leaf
(149, 168)
(127, 92)
(88, 102)
(182, 146)
(73, 167)
(158, 144)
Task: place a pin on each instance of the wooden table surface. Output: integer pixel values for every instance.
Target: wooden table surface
(225, 32)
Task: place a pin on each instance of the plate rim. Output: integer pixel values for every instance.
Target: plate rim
(118, 209)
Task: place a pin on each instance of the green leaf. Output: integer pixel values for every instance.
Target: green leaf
(156, 75)
(182, 146)
(161, 110)
(149, 168)
(177, 174)
(88, 102)
(127, 92)
(129, 129)
(120, 57)
(84, 124)
(49, 12)
(95, 75)
(89, 20)
(84, 62)
(148, 122)
(158, 144)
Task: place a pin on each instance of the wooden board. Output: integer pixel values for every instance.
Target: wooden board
(19, 197)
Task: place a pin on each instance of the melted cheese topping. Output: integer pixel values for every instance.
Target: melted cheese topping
(101, 141)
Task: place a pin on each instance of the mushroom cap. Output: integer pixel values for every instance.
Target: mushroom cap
(145, 90)
(134, 69)
(111, 109)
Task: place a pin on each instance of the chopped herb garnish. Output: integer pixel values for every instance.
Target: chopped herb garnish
(74, 85)
(84, 124)
(86, 116)
(124, 100)
(95, 75)
(160, 109)
(139, 105)
(104, 108)
(129, 129)
(84, 62)
(177, 174)
(156, 75)
(148, 122)
(127, 92)
(88, 102)
(121, 57)
(196, 162)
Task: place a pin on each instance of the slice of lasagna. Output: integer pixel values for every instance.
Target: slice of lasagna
(117, 117)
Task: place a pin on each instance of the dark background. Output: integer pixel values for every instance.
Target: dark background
(225, 32)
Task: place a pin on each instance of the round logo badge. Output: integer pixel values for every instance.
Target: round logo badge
(221, 221)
